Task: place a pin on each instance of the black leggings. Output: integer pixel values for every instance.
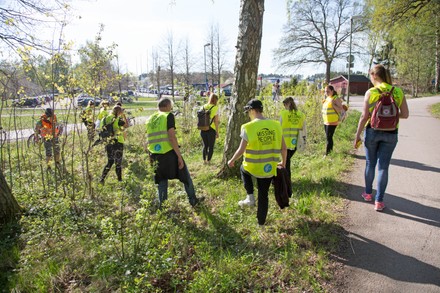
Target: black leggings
(290, 154)
(208, 138)
(329, 131)
(114, 155)
(263, 185)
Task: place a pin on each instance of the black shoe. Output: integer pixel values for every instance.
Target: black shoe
(198, 201)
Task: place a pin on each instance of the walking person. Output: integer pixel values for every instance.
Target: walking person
(292, 122)
(276, 91)
(165, 153)
(47, 127)
(262, 145)
(331, 107)
(209, 136)
(379, 144)
(115, 143)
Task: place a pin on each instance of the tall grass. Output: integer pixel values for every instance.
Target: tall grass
(119, 241)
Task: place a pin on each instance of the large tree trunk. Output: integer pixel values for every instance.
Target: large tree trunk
(246, 72)
(9, 208)
(437, 57)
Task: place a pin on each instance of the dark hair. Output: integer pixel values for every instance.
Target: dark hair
(382, 73)
(48, 112)
(116, 110)
(164, 102)
(291, 102)
(330, 87)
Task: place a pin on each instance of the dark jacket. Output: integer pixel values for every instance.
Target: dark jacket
(283, 187)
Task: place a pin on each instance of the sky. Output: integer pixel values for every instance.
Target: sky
(141, 26)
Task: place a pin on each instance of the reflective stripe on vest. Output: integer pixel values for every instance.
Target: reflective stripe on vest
(263, 150)
(329, 115)
(291, 122)
(157, 134)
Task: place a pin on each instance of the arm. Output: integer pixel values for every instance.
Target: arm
(337, 105)
(238, 153)
(404, 111)
(364, 118)
(173, 140)
(283, 153)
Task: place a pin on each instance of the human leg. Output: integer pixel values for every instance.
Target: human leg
(329, 132)
(118, 151)
(371, 146)
(248, 186)
(162, 191)
(385, 151)
(211, 143)
(290, 154)
(263, 199)
(204, 135)
(110, 161)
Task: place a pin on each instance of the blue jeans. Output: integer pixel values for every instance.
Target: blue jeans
(379, 147)
(162, 188)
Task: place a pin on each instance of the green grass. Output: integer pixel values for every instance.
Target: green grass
(435, 110)
(112, 237)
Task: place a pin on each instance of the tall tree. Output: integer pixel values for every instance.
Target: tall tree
(317, 32)
(170, 52)
(250, 31)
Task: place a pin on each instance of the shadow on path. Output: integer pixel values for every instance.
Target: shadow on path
(407, 164)
(394, 265)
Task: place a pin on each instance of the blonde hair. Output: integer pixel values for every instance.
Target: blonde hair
(382, 73)
(213, 99)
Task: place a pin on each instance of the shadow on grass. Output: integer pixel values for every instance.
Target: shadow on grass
(9, 253)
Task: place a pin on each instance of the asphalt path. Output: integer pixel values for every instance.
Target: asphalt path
(397, 250)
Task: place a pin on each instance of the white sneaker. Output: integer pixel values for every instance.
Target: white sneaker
(248, 201)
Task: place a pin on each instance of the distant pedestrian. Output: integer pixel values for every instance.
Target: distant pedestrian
(262, 146)
(209, 136)
(379, 144)
(49, 130)
(115, 144)
(331, 107)
(276, 90)
(293, 123)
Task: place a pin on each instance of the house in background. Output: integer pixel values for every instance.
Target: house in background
(359, 84)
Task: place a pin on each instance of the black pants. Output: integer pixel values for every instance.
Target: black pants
(114, 151)
(208, 138)
(263, 185)
(329, 131)
(290, 154)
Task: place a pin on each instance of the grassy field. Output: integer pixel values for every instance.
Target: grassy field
(79, 236)
(435, 110)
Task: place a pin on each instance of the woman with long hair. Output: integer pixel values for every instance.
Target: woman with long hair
(209, 136)
(331, 107)
(379, 144)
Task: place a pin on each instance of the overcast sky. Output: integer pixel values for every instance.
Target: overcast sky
(138, 26)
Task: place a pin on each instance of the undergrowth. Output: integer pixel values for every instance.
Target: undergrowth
(113, 238)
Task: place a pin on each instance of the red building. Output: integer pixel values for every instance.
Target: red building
(359, 84)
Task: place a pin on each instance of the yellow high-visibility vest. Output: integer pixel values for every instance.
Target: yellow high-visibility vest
(157, 133)
(329, 114)
(263, 149)
(291, 122)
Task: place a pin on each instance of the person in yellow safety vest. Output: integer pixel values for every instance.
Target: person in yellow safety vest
(209, 136)
(164, 151)
(103, 112)
(115, 143)
(331, 107)
(262, 145)
(292, 122)
(48, 129)
(87, 118)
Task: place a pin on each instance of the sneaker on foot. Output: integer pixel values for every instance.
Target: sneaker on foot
(246, 202)
(198, 201)
(366, 196)
(379, 206)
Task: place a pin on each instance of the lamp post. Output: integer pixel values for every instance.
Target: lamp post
(206, 75)
(350, 58)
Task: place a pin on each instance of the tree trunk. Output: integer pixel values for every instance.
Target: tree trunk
(9, 208)
(437, 58)
(328, 67)
(245, 74)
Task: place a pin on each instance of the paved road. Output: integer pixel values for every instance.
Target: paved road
(398, 250)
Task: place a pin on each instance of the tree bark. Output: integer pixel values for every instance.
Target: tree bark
(9, 208)
(245, 73)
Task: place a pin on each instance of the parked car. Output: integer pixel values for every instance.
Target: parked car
(83, 101)
(227, 92)
(27, 102)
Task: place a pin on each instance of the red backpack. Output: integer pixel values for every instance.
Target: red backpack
(385, 115)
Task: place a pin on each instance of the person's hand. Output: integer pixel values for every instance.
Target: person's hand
(282, 165)
(231, 163)
(180, 162)
(357, 142)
